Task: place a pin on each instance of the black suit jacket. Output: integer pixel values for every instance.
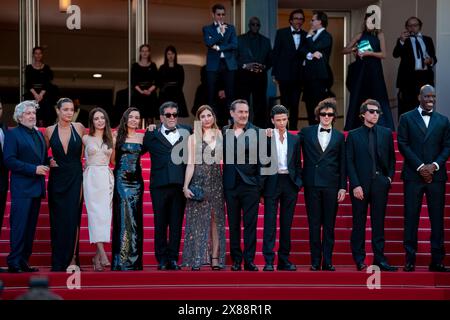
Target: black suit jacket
(227, 44)
(359, 160)
(323, 169)
(316, 69)
(287, 62)
(3, 169)
(406, 69)
(249, 171)
(164, 171)
(293, 162)
(245, 54)
(419, 144)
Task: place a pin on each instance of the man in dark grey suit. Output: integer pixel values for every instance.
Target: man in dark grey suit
(371, 167)
(324, 180)
(4, 181)
(424, 141)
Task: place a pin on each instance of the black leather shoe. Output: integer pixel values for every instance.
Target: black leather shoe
(361, 266)
(409, 267)
(15, 270)
(286, 267)
(236, 266)
(162, 266)
(250, 266)
(2, 270)
(438, 268)
(27, 268)
(269, 267)
(315, 267)
(328, 267)
(172, 265)
(384, 266)
(195, 268)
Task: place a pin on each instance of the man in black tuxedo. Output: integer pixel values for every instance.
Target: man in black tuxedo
(287, 64)
(166, 183)
(318, 77)
(254, 60)
(371, 168)
(4, 180)
(281, 187)
(25, 155)
(424, 141)
(242, 183)
(324, 180)
(418, 58)
(221, 40)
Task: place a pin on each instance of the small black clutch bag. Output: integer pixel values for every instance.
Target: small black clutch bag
(198, 192)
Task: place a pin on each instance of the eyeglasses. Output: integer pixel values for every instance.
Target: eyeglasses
(372, 111)
(413, 25)
(329, 114)
(220, 14)
(255, 24)
(297, 18)
(170, 115)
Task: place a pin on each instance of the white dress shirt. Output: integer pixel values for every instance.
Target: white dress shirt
(296, 38)
(324, 137)
(426, 119)
(2, 137)
(172, 137)
(222, 34)
(282, 148)
(309, 56)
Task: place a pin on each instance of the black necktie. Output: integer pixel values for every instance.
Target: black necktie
(419, 51)
(327, 130)
(372, 151)
(426, 113)
(296, 32)
(170, 130)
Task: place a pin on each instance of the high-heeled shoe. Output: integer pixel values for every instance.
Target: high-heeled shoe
(105, 263)
(97, 264)
(215, 266)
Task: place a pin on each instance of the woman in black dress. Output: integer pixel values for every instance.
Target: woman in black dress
(127, 243)
(38, 86)
(365, 78)
(144, 76)
(171, 81)
(64, 185)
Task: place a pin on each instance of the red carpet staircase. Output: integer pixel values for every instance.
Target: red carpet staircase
(346, 283)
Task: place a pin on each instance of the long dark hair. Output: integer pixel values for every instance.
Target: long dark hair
(146, 45)
(174, 50)
(107, 134)
(122, 129)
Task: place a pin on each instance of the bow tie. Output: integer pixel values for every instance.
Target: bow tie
(170, 130)
(426, 113)
(327, 130)
(296, 32)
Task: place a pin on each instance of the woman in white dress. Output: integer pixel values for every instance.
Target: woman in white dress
(98, 183)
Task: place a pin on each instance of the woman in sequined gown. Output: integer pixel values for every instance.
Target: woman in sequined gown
(204, 241)
(98, 184)
(127, 246)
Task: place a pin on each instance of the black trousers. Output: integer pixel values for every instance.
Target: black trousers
(168, 210)
(321, 207)
(217, 80)
(290, 92)
(3, 198)
(315, 91)
(286, 196)
(408, 95)
(23, 220)
(242, 198)
(435, 193)
(254, 85)
(375, 194)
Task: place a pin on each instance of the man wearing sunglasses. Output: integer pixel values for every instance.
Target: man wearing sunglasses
(166, 184)
(324, 180)
(254, 60)
(424, 141)
(371, 168)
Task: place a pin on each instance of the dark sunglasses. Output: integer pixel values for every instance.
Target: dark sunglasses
(372, 111)
(324, 114)
(255, 24)
(170, 115)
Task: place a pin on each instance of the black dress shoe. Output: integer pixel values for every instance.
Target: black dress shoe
(172, 265)
(438, 268)
(286, 267)
(236, 266)
(162, 266)
(15, 270)
(250, 266)
(195, 268)
(268, 267)
(27, 268)
(361, 266)
(328, 267)
(2, 270)
(409, 267)
(384, 266)
(315, 267)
